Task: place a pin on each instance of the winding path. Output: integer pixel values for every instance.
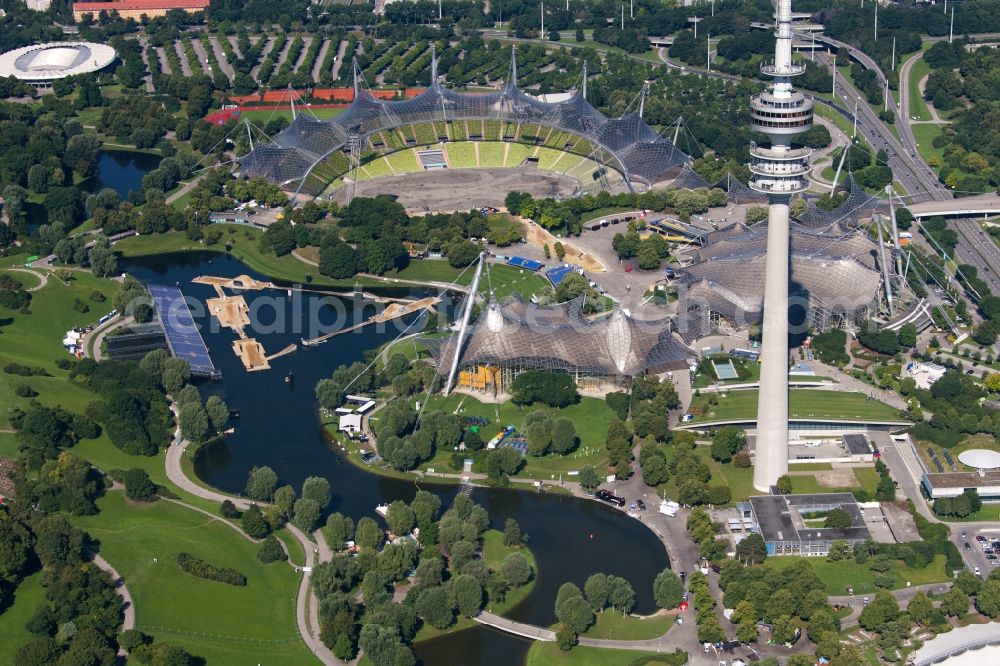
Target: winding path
(43, 277)
(119, 583)
(306, 606)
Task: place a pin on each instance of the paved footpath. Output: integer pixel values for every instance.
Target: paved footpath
(119, 583)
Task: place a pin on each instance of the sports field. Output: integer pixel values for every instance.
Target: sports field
(802, 404)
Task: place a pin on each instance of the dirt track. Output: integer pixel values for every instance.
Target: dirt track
(463, 189)
(537, 236)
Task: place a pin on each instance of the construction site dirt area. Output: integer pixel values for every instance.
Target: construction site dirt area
(461, 189)
(251, 353)
(539, 237)
(244, 282)
(231, 311)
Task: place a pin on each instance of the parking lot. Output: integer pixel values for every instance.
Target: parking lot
(981, 549)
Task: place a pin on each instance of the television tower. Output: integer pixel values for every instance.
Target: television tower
(778, 171)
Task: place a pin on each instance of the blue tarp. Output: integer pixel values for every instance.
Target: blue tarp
(521, 262)
(556, 274)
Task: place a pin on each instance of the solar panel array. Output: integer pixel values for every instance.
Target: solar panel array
(183, 337)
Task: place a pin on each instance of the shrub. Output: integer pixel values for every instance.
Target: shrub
(202, 569)
(271, 551)
(138, 486)
(25, 391)
(554, 389)
(25, 370)
(228, 510)
(132, 638)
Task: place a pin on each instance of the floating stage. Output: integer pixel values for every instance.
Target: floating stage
(233, 312)
(183, 337)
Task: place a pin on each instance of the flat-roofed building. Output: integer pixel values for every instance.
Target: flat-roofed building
(137, 8)
(792, 524)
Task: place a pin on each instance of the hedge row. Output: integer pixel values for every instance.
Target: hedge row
(202, 569)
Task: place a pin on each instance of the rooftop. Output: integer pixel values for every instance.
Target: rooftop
(988, 478)
(857, 445)
(55, 60)
(127, 5)
(955, 641)
(779, 517)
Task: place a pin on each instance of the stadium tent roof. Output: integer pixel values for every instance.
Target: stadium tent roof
(980, 458)
(837, 273)
(559, 337)
(625, 143)
(43, 63)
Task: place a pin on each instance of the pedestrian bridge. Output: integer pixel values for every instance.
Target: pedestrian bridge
(981, 204)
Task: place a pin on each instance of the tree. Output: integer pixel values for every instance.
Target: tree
(339, 530)
(920, 607)
(726, 442)
(400, 518)
(565, 636)
(576, 613)
(837, 519)
(589, 480)
(988, 599)
(15, 550)
(745, 617)
(968, 582)
(284, 500)
(468, 595)
(383, 647)
(597, 591)
(253, 522)
(668, 589)
(368, 534)
(193, 422)
(317, 489)
(955, 603)
(138, 486)
(307, 513)
(261, 483)
(217, 411)
(270, 550)
(516, 570)
(435, 607)
(512, 536)
(785, 484)
(710, 631)
(563, 434)
(783, 630)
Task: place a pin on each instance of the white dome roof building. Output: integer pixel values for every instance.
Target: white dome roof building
(41, 64)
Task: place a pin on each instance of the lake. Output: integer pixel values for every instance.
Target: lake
(278, 426)
(122, 171)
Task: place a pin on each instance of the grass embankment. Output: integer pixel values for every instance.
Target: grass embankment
(739, 479)
(918, 107)
(13, 633)
(838, 576)
(590, 416)
(549, 654)
(612, 625)
(802, 404)
(262, 116)
(505, 279)
(35, 339)
(218, 622)
(924, 134)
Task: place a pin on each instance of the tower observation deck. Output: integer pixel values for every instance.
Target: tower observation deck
(781, 112)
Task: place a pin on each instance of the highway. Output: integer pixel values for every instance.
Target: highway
(977, 248)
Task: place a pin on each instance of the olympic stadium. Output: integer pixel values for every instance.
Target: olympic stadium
(314, 156)
(41, 64)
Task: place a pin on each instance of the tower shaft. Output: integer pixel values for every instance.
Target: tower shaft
(779, 171)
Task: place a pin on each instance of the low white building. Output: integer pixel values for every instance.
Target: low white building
(923, 373)
(349, 423)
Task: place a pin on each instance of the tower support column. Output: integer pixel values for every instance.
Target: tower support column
(771, 453)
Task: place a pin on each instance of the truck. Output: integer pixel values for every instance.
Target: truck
(609, 497)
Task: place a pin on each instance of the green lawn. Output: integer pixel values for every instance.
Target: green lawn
(867, 480)
(739, 479)
(549, 654)
(8, 445)
(603, 212)
(615, 626)
(803, 404)
(838, 576)
(924, 135)
(36, 339)
(13, 635)
(218, 622)
(590, 416)
(504, 279)
(918, 107)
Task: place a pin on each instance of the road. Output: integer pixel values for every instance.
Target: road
(976, 247)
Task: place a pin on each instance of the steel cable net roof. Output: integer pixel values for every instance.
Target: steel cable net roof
(559, 337)
(859, 204)
(838, 274)
(625, 143)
